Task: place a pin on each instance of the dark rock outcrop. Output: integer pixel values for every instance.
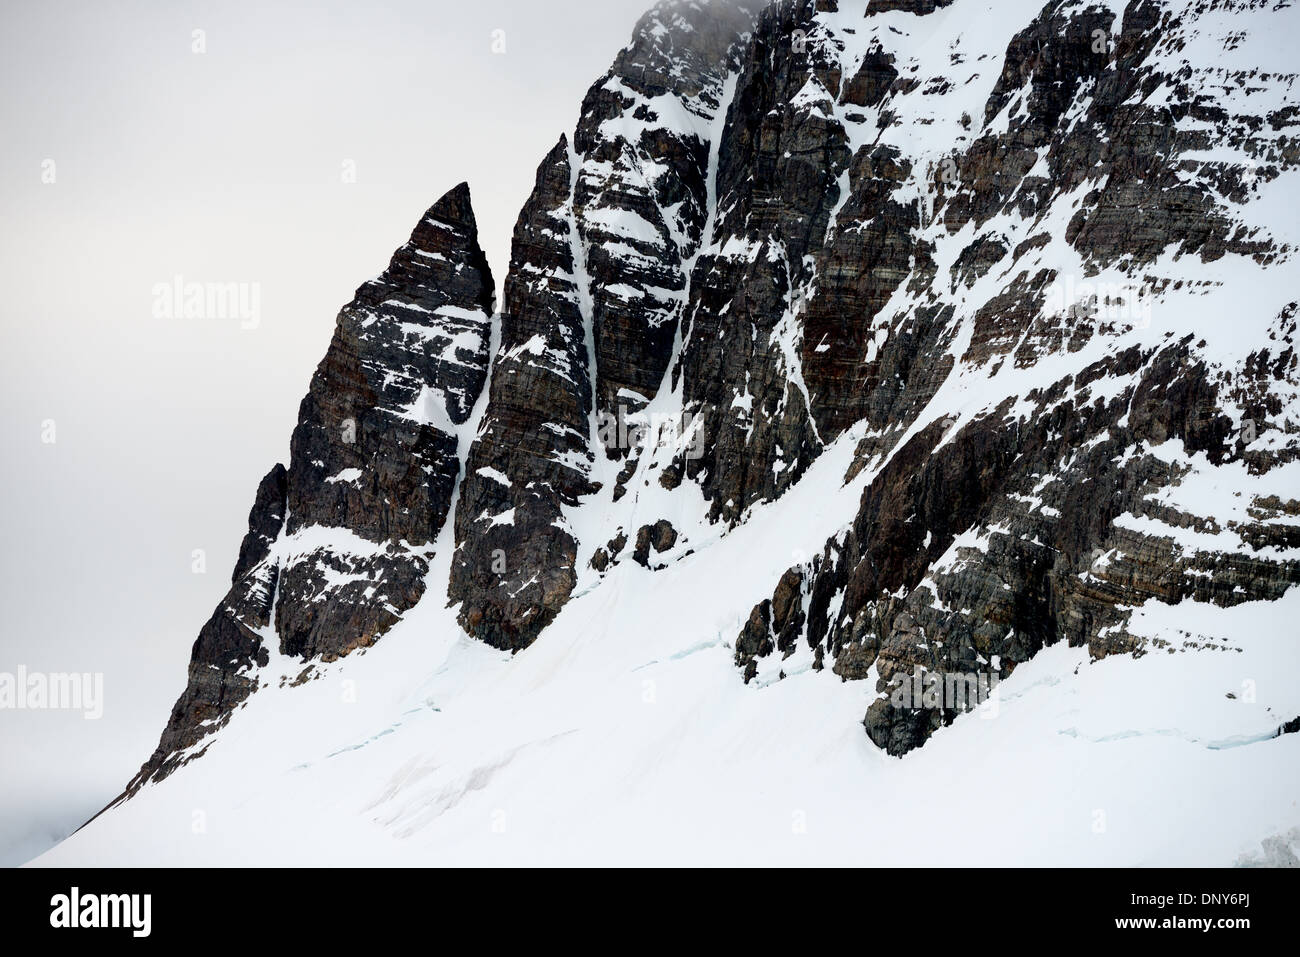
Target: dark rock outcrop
(1050, 515)
(595, 292)
(338, 544)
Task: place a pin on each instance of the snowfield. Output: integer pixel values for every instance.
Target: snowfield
(638, 744)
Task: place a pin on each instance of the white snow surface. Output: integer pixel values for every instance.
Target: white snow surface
(623, 736)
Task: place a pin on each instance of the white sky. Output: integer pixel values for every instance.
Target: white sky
(220, 167)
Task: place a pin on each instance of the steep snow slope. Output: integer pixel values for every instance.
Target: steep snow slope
(624, 737)
(961, 337)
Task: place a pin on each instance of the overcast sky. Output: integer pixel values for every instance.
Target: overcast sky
(129, 158)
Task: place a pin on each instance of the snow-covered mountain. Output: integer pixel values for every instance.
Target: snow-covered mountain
(885, 451)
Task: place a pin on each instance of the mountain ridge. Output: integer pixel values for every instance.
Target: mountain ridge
(786, 241)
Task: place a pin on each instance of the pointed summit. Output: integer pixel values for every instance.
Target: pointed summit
(454, 207)
(339, 543)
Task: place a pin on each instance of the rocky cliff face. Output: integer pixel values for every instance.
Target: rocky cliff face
(1022, 267)
(339, 544)
(1044, 498)
(593, 302)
